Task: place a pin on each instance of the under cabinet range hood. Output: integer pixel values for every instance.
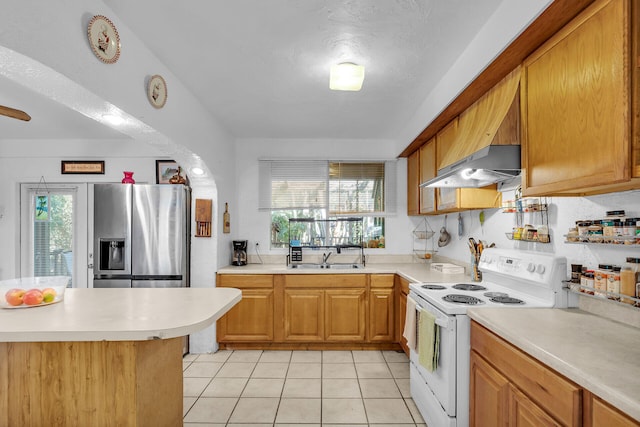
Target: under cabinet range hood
(482, 146)
(489, 165)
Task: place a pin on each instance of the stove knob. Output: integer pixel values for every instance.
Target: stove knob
(531, 267)
(540, 269)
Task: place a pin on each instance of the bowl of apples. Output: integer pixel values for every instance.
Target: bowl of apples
(26, 292)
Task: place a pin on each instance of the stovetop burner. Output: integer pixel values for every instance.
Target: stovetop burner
(507, 300)
(462, 299)
(495, 294)
(433, 287)
(469, 287)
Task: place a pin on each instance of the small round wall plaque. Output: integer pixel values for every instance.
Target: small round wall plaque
(157, 91)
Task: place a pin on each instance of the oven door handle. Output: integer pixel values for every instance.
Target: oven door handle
(440, 321)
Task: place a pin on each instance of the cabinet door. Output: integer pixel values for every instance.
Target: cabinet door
(413, 183)
(345, 314)
(249, 320)
(427, 171)
(455, 199)
(524, 413)
(488, 395)
(303, 315)
(599, 413)
(576, 97)
(402, 289)
(381, 320)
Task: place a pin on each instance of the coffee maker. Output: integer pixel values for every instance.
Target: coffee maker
(239, 252)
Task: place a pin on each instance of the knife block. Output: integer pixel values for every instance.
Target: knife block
(203, 218)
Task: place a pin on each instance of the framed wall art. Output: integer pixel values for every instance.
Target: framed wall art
(104, 39)
(169, 172)
(82, 167)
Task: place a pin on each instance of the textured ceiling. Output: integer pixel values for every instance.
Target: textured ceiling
(261, 67)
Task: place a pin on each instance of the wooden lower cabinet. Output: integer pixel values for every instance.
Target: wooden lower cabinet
(402, 291)
(345, 315)
(321, 307)
(382, 306)
(251, 319)
(308, 310)
(509, 387)
(599, 413)
(489, 394)
(303, 315)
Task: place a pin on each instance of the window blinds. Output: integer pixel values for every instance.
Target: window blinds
(344, 188)
(293, 184)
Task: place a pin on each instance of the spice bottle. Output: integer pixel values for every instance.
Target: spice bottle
(613, 283)
(600, 279)
(628, 279)
(587, 282)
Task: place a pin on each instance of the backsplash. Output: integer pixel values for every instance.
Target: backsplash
(562, 215)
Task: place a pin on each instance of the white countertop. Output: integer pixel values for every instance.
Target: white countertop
(118, 315)
(413, 272)
(598, 354)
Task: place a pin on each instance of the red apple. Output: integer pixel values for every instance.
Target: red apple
(14, 296)
(48, 294)
(33, 297)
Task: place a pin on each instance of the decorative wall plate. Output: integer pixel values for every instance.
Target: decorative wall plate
(157, 91)
(104, 39)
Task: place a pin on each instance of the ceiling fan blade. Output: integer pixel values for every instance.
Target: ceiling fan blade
(16, 114)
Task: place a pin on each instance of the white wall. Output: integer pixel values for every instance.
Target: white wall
(182, 130)
(254, 225)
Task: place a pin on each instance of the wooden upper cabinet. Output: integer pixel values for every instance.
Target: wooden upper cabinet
(577, 106)
(427, 171)
(413, 183)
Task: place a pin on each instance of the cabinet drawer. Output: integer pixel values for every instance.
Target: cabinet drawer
(560, 397)
(245, 280)
(381, 280)
(325, 281)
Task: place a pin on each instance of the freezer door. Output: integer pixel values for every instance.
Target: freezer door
(159, 230)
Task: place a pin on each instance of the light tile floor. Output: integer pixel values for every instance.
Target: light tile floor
(311, 388)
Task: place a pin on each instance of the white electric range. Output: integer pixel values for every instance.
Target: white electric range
(511, 278)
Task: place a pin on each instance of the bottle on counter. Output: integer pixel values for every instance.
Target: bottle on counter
(629, 278)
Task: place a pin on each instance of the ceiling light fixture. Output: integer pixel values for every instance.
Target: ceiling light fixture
(346, 76)
(197, 171)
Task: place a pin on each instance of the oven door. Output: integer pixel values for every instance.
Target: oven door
(442, 381)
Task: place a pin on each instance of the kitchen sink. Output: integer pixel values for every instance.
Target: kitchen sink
(336, 266)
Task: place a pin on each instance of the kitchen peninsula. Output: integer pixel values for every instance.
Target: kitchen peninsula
(102, 356)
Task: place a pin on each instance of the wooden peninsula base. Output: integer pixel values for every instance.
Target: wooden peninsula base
(104, 383)
(102, 357)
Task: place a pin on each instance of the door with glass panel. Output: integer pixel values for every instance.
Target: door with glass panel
(53, 228)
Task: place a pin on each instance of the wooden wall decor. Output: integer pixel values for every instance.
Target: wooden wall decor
(203, 217)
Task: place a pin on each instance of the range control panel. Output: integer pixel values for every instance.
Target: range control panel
(542, 268)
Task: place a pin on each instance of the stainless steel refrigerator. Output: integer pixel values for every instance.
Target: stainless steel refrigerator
(141, 236)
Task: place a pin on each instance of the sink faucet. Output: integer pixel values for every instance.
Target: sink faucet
(325, 257)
